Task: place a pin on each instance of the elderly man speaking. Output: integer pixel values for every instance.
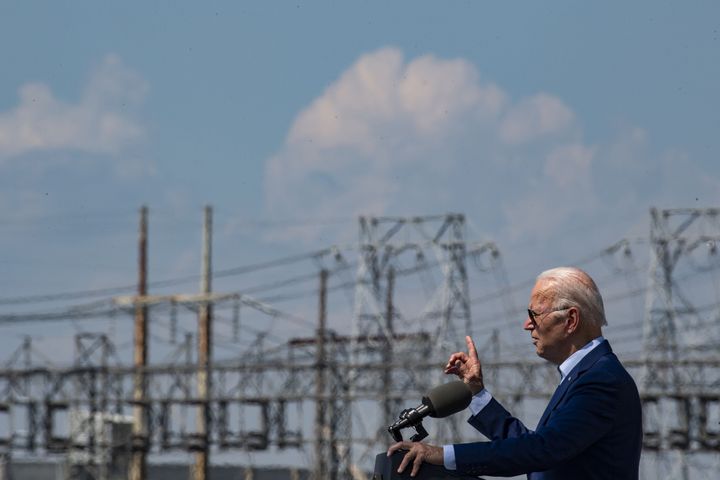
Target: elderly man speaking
(592, 427)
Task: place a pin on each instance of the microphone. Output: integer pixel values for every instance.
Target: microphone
(441, 401)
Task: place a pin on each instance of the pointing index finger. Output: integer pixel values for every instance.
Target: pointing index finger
(472, 352)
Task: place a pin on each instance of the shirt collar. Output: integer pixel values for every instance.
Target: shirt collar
(575, 358)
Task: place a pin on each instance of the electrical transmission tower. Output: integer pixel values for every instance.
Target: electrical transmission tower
(389, 247)
(681, 340)
(429, 239)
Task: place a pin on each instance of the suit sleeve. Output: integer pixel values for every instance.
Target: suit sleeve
(583, 418)
(496, 423)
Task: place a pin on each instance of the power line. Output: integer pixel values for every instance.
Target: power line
(163, 283)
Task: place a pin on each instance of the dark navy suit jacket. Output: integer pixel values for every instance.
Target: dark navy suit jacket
(591, 429)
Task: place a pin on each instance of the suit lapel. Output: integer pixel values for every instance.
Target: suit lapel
(559, 393)
(587, 362)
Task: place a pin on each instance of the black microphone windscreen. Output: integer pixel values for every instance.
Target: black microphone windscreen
(448, 399)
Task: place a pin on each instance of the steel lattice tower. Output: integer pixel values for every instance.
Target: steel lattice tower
(677, 236)
(446, 315)
(677, 332)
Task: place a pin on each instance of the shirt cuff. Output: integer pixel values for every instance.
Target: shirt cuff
(479, 401)
(449, 457)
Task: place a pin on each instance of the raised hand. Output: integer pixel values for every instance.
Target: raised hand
(467, 367)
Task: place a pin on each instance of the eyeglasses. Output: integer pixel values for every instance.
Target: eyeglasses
(534, 315)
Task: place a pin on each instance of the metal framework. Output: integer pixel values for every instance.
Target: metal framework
(677, 330)
(332, 395)
(250, 416)
(388, 245)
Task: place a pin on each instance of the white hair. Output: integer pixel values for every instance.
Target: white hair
(572, 287)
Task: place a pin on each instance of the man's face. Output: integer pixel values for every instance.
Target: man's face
(548, 328)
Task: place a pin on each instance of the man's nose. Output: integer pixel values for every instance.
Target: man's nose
(528, 325)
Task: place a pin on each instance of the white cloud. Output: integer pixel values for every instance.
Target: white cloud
(100, 122)
(427, 135)
(381, 92)
(393, 134)
(531, 118)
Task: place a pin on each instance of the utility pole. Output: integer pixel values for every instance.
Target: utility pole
(388, 407)
(321, 424)
(138, 467)
(204, 353)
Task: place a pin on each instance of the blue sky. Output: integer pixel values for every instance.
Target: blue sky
(554, 126)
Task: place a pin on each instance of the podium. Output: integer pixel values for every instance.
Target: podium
(386, 469)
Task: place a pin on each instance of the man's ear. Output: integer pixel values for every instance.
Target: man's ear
(573, 320)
